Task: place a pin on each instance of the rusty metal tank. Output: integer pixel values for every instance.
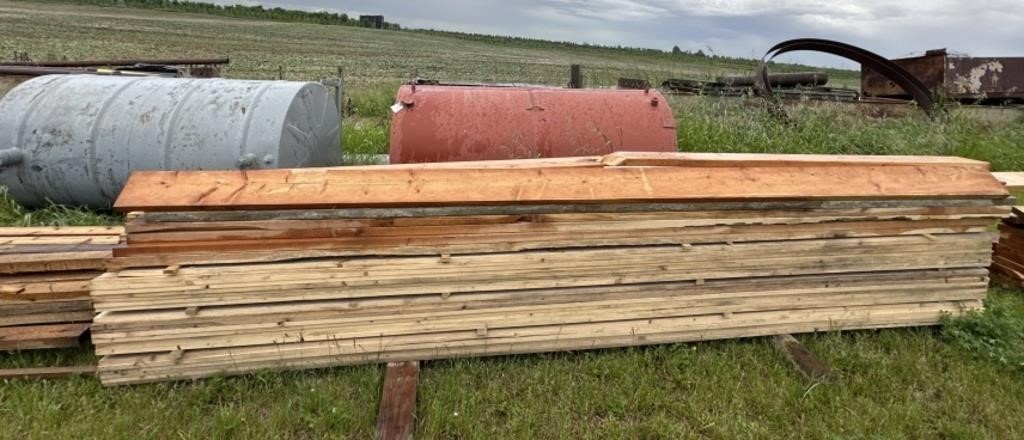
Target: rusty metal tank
(441, 123)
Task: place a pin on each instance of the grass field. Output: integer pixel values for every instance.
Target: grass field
(961, 380)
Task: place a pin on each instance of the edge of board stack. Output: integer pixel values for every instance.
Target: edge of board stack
(233, 272)
(1008, 251)
(44, 283)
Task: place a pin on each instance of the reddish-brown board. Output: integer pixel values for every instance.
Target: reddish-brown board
(403, 187)
(397, 417)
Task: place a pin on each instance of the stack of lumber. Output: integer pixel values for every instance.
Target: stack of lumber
(230, 272)
(1008, 256)
(44, 283)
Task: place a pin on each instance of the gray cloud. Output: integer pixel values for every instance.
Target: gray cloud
(743, 28)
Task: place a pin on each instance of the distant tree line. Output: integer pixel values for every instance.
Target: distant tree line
(241, 11)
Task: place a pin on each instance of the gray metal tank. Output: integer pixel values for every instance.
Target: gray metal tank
(75, 139)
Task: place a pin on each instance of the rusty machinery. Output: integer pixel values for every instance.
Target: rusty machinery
(960, 78)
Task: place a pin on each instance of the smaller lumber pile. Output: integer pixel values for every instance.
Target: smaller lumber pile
(1008, 256)
(44, 283)
(231, 272)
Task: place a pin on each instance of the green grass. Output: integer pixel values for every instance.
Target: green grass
(13, 214)
(960, 380)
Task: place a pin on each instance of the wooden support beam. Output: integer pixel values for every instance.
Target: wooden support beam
(397, 416)
(47, 372)
(801, 358)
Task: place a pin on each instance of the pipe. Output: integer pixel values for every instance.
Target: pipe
(127, 62)
(40, 71)
(11, 156)
(778, 79)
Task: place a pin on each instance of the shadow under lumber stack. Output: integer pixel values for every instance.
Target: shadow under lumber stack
(231, 272)
(44, 283)
(1008, 258)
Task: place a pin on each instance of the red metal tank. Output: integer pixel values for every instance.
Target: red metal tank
(443, 123)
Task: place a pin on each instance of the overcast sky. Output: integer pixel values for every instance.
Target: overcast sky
(744, 28)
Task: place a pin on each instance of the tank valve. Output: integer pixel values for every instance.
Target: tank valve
(10, 157)
(246, 162)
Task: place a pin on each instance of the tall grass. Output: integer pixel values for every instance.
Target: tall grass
(716, 125)
(13, 214)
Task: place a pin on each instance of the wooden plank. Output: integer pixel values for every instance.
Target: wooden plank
(639, 158)
(802, 359)
(56, 231)
(397, 416)
(41, 336)
(55, 262)
(47, 318)
(202, 363)
(1014, 180)
(261, 313)
(524, 236)
(535, 269)
(58, 240)
(385, 187)
(299, 329)
(191, 215)
(47, 372)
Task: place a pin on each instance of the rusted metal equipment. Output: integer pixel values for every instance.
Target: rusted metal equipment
(169, 67)
(804, 85)
(989, 80)
(122, 62)
(575, 77)
(898, 75)
(437, 123)
(634, 83)
(147, 70)
(794, 79)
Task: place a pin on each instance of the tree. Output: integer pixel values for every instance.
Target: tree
(676, 50)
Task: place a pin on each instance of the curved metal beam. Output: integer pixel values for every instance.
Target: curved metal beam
(910, 83)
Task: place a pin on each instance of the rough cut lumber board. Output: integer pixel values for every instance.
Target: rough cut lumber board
(41, 336)
(802, 359)
(53, 231)
(347, 278)
(386, 187)
(641, 158)
(299, 329)
(550, 162)
(47, 318)
(203, 363)
(527, 236)
(263, 313)
(150, 224)
(47, 372)
(397, 416)
(531, 209)
(1014, 180)
(56, 262)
